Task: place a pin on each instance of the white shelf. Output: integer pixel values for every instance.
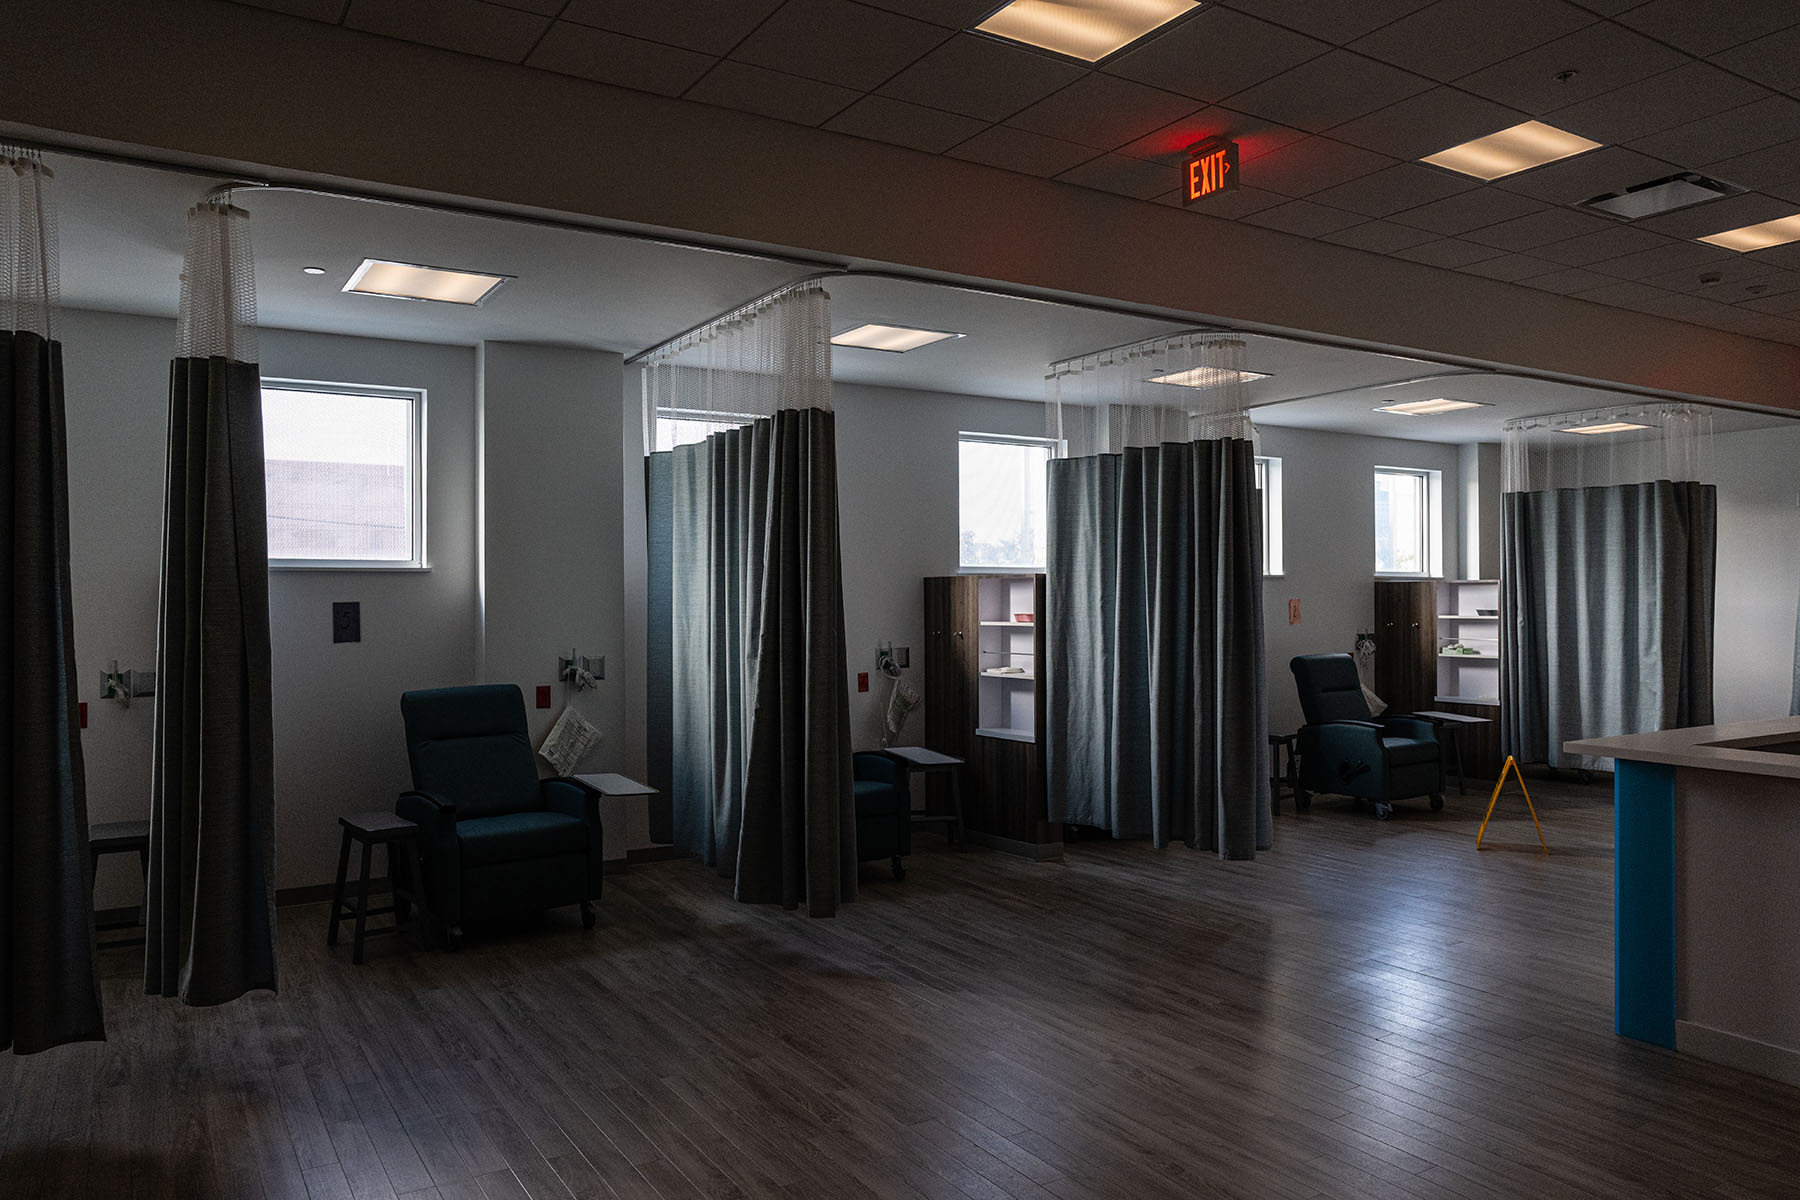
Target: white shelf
(1491, 701)
(1011, 624)
(1466, 617)
(1025, 675)
(1010, 735)
(1473, 657)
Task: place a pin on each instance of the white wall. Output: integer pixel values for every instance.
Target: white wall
(338, 737)
(1758, 572)
(1328, 553)
(898, 519)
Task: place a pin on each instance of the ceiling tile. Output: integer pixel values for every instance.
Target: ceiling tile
(1132, 177)
(1660, 102)
(1383, 237)
(771, 93)
(1103, 112)
(1772, 61)
(329, 11)
(1573, 180)
(1335, 23)
(1637, 296)
(1452, 38)
(1603, 57)
(1214, 53)
(1509, 268)
(1328, 90)
(1304, 167)
(1567, 281)
(1608, 243)
(1255, 136)
(544, 8)
(469, 26)
(885, 120)
(1304, 218)
(1709, 28)
(1426, 123)
(839, 42)
(1785, 257)
(1022, 151)
(1233, 205)
(1401, 186)
(1538, 229)
(692, 24)
(1730, 278)
(1716, 216)
(1672, 256)
(1728, 134)
(1770, 170)
(1781, 306)
(1468, 210)
(952, 14)
(614, 58)
(981, 77)
(1447, 252)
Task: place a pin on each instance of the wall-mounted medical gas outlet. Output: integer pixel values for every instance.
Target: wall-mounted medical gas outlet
(124, 685)
(581, 671)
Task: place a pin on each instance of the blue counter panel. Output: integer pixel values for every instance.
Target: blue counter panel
(1644, 901)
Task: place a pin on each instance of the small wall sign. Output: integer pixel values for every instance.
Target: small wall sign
(1212, 166)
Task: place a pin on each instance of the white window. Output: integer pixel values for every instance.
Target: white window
(345, 470)
(685, 426)
(1407, 522)
(1268, 486)
(1003, 501)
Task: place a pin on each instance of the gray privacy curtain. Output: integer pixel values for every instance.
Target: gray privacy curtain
(1155, 719)
(49, 992)
(1607, 603)
(211, 906)
(749, 710)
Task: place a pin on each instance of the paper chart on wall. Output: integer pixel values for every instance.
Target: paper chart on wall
(568, 741)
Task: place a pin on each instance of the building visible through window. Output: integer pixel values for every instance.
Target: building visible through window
(1002, 494)
(1406, 521)
(344, 472)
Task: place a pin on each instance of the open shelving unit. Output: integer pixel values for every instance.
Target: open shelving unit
(1006, 657)
(1468, 641)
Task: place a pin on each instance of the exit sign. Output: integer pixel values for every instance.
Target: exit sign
(1212, 166)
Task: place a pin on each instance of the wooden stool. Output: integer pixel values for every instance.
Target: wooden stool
(1280, 775)
(121, 837)
(401, 837)
(919, 761)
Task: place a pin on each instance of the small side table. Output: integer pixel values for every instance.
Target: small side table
(920, 761)
(401, 837)
(1454, 724)
(1282, 771)
(121, 837)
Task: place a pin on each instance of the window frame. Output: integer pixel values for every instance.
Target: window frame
(418, 492)
(1431, 522)
(1268, 484)
(1052, 447)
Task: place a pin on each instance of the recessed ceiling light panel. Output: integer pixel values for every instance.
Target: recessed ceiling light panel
(1531, 144)
(1428, 408)
(1759, 237)
(408, 281)
(1660, 196)
(1607, 427)
(1206, 377)
(895, 339)
(1085, 29)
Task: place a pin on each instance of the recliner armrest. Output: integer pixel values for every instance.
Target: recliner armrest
(430, 813)
(1423, 728)
(566, 794)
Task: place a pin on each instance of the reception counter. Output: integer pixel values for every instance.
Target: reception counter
(1706, 891)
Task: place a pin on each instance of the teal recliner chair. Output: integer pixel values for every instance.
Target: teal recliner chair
(1345, 751)
(883, 810)
(496, 840)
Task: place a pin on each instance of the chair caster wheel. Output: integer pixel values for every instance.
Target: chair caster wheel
(1437, 803)
(453, 938)
(899, 870)
(1383, 811)
(587, 914)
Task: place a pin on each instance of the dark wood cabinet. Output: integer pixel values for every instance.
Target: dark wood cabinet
(1437, 650)
(984, 704)
(1406, 643)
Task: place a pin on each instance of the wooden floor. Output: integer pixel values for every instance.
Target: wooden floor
(1370, 1010)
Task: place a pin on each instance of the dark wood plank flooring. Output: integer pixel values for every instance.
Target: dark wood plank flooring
(1372, 1010)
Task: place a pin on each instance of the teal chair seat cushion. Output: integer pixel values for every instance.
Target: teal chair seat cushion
(1404, 752)
(876, 798)
(518, 836)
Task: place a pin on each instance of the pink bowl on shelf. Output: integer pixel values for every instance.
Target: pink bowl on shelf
(1024, 618)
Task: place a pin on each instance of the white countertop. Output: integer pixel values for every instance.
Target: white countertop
(1698, 747)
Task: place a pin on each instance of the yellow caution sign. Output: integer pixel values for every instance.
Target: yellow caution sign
(1495, 799)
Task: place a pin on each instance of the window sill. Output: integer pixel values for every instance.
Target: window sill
(999, 570)
(360, 568)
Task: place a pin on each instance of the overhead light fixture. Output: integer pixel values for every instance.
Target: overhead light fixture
(1427, 408)
(1607, 427)
(312, 270)
(1085, 29)
(1527, 145)
(1206, 377)
(1759, 237)
(408, 281)
(895, 339)
(1660, 196)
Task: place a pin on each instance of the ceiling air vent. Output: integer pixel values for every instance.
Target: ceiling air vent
(1660, 196)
